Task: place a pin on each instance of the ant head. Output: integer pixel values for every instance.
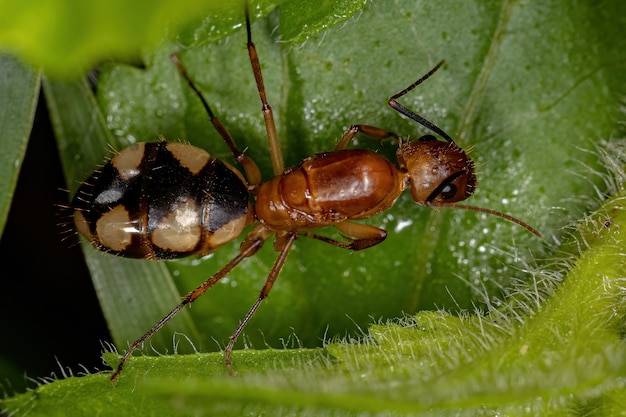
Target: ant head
(439, 172)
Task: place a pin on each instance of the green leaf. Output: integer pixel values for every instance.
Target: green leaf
(531, 88)
(19, 92)
(300, 20)
(68, 38)
(45, 33)
(504, 93)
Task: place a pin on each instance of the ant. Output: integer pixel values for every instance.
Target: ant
(167, 200)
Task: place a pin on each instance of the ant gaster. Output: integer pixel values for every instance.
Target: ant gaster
(168, 200)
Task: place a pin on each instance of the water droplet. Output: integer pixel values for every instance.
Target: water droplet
(402, 224)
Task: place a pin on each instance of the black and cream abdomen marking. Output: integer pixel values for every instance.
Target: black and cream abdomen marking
(162, 200)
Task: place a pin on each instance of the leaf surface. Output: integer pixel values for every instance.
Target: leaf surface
(532, 89)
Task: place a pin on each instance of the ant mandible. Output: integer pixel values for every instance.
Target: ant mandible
(167, 200)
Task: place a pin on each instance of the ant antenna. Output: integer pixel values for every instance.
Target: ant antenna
(411, 115)
(494, 213)
(419, 119)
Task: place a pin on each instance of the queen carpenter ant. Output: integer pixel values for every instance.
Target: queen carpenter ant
(169, 200)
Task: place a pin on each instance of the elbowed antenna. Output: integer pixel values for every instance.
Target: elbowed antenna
(414, 116)
(494, 213)
(408, 157)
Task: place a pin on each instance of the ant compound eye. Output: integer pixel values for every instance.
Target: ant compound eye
(448, 191)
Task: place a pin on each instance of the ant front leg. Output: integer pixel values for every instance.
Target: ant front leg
(361, 236)
(371, 131)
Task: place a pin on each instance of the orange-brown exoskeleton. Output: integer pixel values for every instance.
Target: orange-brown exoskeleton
(167, 200)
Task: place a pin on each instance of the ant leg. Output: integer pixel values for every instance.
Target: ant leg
(371, 131)
(410, 114)
(253, 174)
(272, 136)
(248, 251)
(283, 244)
(365, 236)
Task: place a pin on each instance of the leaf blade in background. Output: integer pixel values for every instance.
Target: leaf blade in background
(69, 39)
(302, 20)
(19, 93)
